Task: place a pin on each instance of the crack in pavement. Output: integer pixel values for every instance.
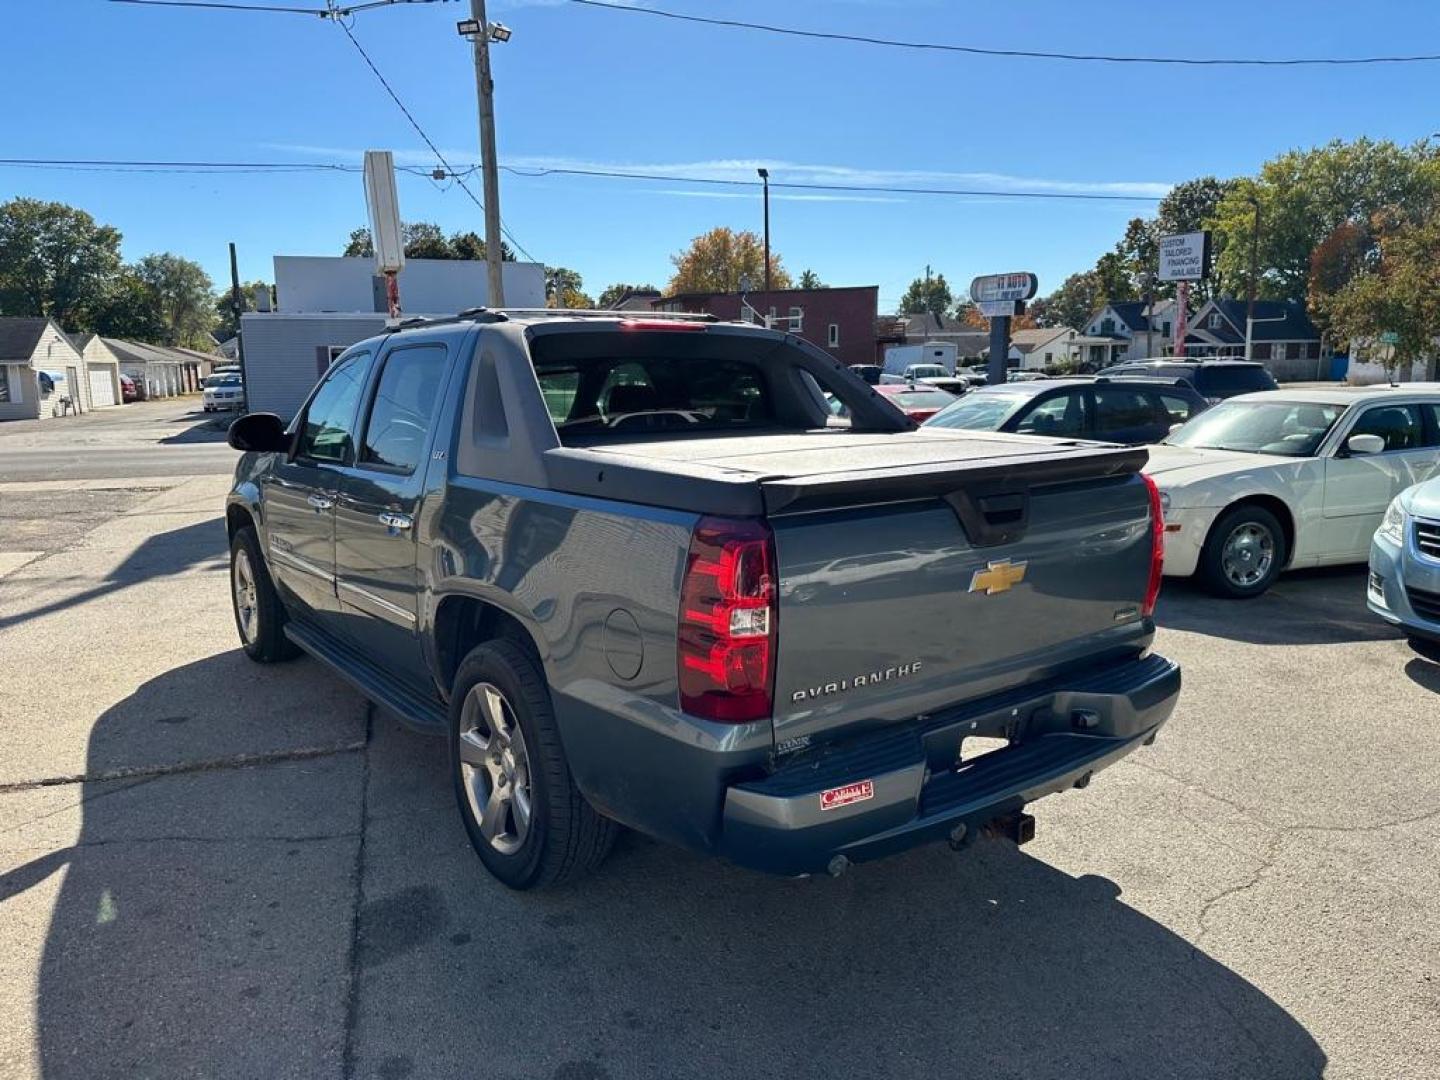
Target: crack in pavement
(352, 981)
(182, 838)
(237, 761)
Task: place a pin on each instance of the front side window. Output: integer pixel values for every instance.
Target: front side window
(1399, 425)
(328, 433)
(1060, 415)
(404, 403)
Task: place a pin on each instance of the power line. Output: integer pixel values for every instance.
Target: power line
(536, 173)
(428, 141)
(330, 11)
(1030, 54)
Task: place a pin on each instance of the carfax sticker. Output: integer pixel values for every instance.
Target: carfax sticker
(837, 797)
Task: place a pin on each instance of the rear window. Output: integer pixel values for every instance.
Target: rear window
(1230, 380)
(922, 399)
(639, 394)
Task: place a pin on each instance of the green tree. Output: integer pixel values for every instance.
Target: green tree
(1304, 195)
(1398, 296)
(1139, 253)
(719, 260)
(563, 288)
(129, 309)
(183, 295)
(1113, 273)
(1192, 207)
(611, 294)
(55, 260)
(810, 280)
(225, 326)
(930, 294)
(1077, 298)
(424, 240)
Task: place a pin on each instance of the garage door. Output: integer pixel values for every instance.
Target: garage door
(102, 388)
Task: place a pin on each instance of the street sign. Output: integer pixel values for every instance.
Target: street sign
(1389, 337)
(997, 309)
(1003, 287)
(1185, 257)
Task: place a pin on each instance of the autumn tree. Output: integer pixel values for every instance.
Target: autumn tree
(1391, 310)
(968, 314)
(927, 293)
(563, 288)
(55, 260)
(718, 260)
(1333, 263)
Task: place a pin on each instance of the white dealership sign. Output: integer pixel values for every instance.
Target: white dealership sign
(1185, 257)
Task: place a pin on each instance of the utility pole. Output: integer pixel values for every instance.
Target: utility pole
(1254, 274)
(1149, 316)
(237, 306)
(485, 91)
(765, 179)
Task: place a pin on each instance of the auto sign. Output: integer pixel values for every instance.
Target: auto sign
(993, 287)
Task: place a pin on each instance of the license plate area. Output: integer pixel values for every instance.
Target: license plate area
(974, 747)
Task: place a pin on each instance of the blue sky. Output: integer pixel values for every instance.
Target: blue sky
(592, 88)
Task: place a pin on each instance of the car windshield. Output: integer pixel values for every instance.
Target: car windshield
(1286, 428)
(979, 411)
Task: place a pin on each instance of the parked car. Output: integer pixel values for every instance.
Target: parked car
(1214, 380)
(128, 390)
(221, 392)
(919, 401)
(633, 576)
(975, 376)
(1403, 587)
(1015, 375)
(1290, 478)
(915, 373)
(869, 372)
(1113, 410)
(47, 382)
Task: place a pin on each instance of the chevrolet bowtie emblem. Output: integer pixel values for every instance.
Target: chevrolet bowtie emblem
(997, 577)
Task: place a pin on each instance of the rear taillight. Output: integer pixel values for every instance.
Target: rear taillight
(1157, 547)
(726, 650)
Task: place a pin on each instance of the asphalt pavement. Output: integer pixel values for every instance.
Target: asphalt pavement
(212, 868)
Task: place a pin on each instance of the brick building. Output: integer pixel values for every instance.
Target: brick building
(841, 321)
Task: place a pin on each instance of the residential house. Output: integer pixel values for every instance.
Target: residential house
(636, 300)
(1282, 337)
(840, 321)
(1042, 348)
(971, 342)
(102, 371)
(1123, 331)
(29, 346)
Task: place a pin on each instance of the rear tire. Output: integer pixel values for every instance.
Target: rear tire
(1243, 554)
(259, 612)
(523, 813)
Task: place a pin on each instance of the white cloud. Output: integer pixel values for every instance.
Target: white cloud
(751, 196)
(780, 172)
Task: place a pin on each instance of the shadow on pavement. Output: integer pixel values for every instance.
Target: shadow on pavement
(201, 427)
(204, 927)
(1306, 607)
(204, 922)
(159, 555)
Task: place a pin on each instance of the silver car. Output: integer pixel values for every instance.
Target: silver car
(1404, 582)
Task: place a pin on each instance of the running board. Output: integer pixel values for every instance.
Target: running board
(413, 709)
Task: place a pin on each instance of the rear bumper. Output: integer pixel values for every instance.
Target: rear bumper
(906, 787)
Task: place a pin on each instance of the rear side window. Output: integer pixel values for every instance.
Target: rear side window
(653, 394)
(400, 414)
(329, 431)
(1177, 408)
(1228, 381)
(1117, 408)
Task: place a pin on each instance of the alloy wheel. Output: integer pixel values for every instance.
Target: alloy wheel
(1248, 554)
(247, 609)
(495, 768)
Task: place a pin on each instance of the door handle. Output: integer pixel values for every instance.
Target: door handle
(320, 502)
(395, 521)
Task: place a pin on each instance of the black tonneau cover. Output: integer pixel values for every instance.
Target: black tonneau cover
(799, 472)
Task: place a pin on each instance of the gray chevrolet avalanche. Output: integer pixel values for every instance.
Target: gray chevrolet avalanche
(637, 575)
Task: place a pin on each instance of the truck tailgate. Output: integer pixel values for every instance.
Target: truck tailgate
(957, 584)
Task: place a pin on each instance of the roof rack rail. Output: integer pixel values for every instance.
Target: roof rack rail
(476, 314)
(608, 313)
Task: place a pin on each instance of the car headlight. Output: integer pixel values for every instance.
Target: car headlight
(1392, 527)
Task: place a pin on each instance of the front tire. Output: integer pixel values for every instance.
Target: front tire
(259, 613)
(1243, 554)
(525, 817)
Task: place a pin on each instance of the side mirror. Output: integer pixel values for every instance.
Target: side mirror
(1175, 427)
(1365, 444)
(261, 432)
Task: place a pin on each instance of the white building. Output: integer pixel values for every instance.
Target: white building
(326, 304)
(1041, 348)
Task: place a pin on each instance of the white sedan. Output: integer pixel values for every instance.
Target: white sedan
(1290, 478)
(222, 392)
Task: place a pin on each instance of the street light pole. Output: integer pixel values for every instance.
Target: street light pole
(485, 91)
(765, 179)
